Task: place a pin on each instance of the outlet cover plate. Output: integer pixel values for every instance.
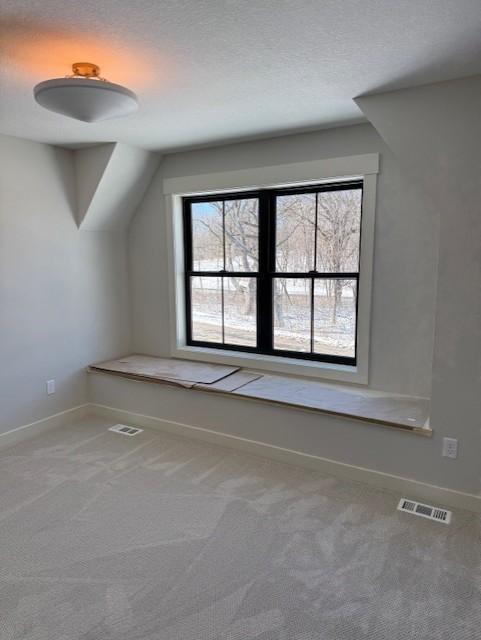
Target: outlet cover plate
(450, 447)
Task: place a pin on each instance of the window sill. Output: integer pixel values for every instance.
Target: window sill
(408, 413)
(276, 364)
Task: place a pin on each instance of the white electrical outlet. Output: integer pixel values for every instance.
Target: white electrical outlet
(50, 387)
(450, 447)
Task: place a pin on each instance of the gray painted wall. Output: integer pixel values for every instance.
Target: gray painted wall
(63, 293)
(436, 132)
(369, 446)
(427, 281)
(405, 255)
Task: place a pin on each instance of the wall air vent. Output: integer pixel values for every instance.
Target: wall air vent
(125, 430)
(424, 510)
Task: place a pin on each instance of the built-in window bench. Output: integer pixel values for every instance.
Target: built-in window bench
(366, 405)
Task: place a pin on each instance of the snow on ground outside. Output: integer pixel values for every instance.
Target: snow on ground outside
(335, 338)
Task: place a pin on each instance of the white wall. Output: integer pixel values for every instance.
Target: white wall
(404, 263)
(111, 182)
(419, 222)
(435, 131)
(63, 292)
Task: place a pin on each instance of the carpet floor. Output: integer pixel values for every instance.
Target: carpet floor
(106, 537)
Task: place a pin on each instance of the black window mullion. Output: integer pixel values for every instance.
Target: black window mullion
(337, 186)
(188, 308)
(187, 237)
(315, 233)
(187, 269)
(223, 235)
(223, 310)
(329, 275)
(214, 274)
(224, 270)
(312, 315)
(264, 282)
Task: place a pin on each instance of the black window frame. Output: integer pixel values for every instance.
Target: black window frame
(267, 270)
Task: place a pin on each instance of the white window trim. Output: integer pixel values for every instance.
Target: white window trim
(365, 167)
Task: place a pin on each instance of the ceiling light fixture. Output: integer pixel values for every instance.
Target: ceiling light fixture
(85, 95)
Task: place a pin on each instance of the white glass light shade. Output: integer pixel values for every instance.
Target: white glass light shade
(85, 99)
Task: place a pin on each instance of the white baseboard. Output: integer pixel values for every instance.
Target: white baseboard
(406, 486)
(14, 436)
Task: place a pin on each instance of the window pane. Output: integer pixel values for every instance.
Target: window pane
(339, 230)
(240, 311)
(295, 232)
(207, 243)
(335, 317)
(206, 303)
(292, 314)
(242, 235)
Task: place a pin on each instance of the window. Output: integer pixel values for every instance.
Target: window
(275, 271)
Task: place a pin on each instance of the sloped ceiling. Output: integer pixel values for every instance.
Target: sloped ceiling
(111, 180)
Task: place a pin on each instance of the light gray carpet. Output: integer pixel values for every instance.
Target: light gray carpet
(154, 537)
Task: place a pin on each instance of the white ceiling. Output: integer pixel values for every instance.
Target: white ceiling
(208, 71)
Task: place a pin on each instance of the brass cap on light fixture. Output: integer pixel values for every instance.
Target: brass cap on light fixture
(86, 69)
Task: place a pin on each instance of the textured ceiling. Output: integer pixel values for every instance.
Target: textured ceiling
(213, 70)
